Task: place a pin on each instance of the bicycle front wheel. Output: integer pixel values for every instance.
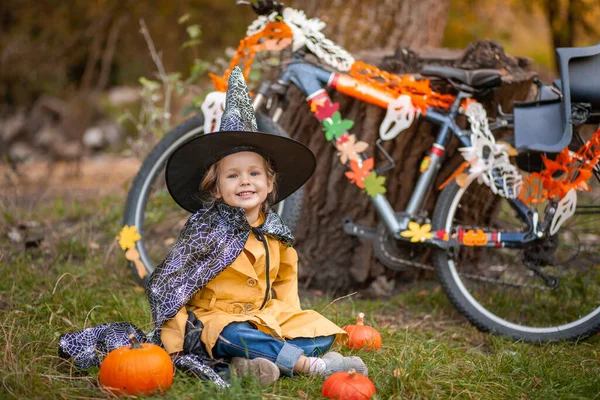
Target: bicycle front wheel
(157, 218)
(495, 289)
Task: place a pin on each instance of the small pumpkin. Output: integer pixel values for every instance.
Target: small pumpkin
(348, 386)
(361, 336)
(139, 369)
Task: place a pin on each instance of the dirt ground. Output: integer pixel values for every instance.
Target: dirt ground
(99, 175)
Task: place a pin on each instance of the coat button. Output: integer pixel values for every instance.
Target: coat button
(249, 306)
(251, 282)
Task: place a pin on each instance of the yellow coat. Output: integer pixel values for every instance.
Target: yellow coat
(236, 294)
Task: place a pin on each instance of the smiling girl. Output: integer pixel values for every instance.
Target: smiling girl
(233, 268)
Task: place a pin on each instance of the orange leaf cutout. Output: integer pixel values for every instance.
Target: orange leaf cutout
(566, 172)
(358, 173)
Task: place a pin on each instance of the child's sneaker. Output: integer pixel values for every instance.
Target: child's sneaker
(335, 362)
(262, 369)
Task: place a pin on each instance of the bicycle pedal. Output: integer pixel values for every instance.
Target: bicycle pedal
(361, 231)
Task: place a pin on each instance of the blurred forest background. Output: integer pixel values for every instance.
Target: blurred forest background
(66, 66)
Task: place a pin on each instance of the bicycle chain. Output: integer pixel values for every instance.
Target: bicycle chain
(476, 277)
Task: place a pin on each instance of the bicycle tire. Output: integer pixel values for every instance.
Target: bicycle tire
(153, 167)
(482, 302)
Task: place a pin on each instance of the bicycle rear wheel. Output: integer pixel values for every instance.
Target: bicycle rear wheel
(157, 218)
(494, 289)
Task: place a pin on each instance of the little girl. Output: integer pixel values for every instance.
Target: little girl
(233, 267)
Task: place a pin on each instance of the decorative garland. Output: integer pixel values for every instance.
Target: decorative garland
(489, 160)
(420, 92)
(568, 171)
(307, 32)
(349, 149)
(275, 35)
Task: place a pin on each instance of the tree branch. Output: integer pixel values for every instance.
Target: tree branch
(109, 52)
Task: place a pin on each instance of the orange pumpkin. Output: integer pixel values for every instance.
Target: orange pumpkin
(362, 336)
(348, 386)
(139, 369)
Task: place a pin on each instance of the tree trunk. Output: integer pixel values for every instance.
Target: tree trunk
(368, 24)
(330, 259)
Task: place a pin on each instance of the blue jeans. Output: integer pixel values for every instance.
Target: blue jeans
(241, 339)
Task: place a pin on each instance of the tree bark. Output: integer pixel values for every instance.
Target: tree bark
(331, 260)
(367, 24)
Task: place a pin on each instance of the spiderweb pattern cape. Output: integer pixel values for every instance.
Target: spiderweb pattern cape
(210, 241)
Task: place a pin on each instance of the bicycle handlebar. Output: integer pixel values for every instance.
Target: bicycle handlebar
(263, 7)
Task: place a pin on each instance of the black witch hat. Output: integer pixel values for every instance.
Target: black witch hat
(293, 161)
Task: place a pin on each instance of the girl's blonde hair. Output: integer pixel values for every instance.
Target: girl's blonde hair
(210, 182)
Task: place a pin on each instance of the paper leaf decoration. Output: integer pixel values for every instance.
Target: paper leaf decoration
(336, 126)
(326, 110)
(358, 173)
(374, 184)
(128, 236)
(349, 148)
(316, 103)
(417, 233)
(568, 171)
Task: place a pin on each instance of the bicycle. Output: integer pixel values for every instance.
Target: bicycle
(504, 238)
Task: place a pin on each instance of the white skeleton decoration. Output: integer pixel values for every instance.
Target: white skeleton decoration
(400, 115)
(565, 210)
(489, 161)
(307, 32)
(212, 107)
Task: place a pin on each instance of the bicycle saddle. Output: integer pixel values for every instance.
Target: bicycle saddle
(477, 78)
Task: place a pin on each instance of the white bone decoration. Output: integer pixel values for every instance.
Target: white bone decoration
(213, 107)
(400, 115)
(489, 161)
(307, 32)
(564, 210)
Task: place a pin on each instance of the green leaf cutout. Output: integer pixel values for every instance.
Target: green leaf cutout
(336, 126)
(374, 184)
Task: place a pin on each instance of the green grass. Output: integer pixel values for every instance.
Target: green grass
(78, 277)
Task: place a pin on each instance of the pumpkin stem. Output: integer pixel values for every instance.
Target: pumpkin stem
(351, 372)
(360, 319)
(135, 344)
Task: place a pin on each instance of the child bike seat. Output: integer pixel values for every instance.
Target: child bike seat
(547, 126)
(477, 78)
(580, 75)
